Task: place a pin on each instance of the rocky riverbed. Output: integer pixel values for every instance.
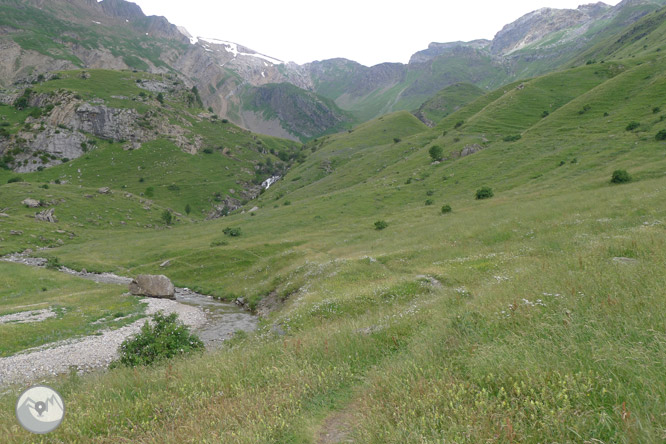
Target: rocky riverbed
(213, 320)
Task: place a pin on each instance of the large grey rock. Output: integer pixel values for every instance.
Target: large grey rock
(153, 286)
(31, 203)
(46, 216)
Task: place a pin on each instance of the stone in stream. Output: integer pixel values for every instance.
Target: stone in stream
(153, 286)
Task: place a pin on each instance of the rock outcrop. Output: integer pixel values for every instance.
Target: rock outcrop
(108, 123)
(46, 216)
(153, 286)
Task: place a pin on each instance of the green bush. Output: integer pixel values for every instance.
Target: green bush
(446, 209)
(429, 202)
(512, 138)
(208, 151)
(165, 339)
(15, 179)
(661, 135)
(150, 192)
(632, 126)
(484, 193)
(380, 225)
(160, 98)
(233, 232)
(620, 176)
(167, 217)
(188, 209)
(436, 152)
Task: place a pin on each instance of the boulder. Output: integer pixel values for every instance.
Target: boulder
(153, 286)
(31, 203)
(104, 190)
(46, 216)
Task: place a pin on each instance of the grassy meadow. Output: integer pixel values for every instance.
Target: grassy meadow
(535, 316)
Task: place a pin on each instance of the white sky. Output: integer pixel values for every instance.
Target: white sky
(367, 31)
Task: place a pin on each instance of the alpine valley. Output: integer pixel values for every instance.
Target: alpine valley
(466, 248)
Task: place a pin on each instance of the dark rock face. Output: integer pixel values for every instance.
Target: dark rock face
(108, 123)
(153, 286)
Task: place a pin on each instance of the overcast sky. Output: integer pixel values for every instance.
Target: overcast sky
(367, 31)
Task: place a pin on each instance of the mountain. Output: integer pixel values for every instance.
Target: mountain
(249, 88)
(38, 37)
(537, 43)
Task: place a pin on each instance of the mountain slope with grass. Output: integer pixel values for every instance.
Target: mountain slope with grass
(399, 303)
(506, 286)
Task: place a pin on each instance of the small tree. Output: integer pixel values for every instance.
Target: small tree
(436, 152)
(661, 135)
(484, 193)
(620, 176)
(160, 98)
(167, 217)
(446, 209)
(188, 209)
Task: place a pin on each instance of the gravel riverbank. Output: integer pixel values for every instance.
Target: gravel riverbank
(89, 352)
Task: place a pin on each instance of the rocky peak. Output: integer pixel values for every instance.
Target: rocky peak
(538, 24)
(121, 9)
(437, 49)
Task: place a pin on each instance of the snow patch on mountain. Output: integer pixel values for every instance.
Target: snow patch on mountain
(233, 48)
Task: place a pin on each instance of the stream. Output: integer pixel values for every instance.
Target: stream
(222, 318)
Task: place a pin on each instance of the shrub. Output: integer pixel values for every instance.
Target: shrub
(656, 109)
(208, 151)
(484, 193)
(173, 187)
(15, 179)
(233, 232)
(446, 209)
(459, 124)
(160, 98)
(512, 138)
(429, 202)
(632, 126)
(620, 176)
(165, 339)
(167, 217)
(380, 225)
(430, 192)
(545, 114)
(396, 139)
(661, 135)
(219, 243)
(188, 209)
(436, 152)
(150, 192)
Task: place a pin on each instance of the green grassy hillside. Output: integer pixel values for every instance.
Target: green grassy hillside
(448, 100)
(537, 314)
